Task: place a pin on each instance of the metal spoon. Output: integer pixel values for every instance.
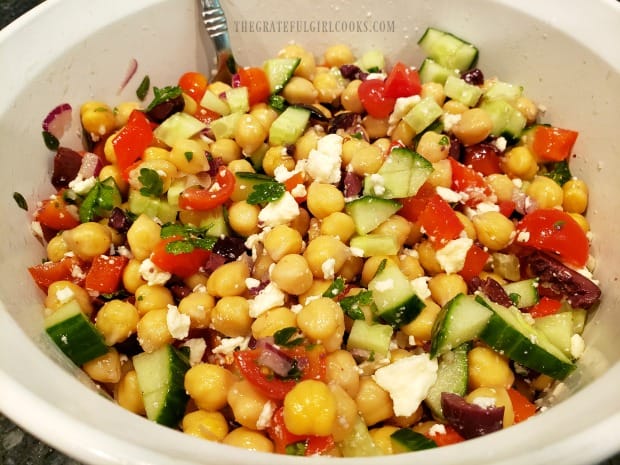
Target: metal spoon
(214, 20)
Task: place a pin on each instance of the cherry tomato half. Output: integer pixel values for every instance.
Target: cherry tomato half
(193, 84)
(200, 198)
(180, 264)
(402, 81)
(256, 81)
(555, 231)
(372, 95)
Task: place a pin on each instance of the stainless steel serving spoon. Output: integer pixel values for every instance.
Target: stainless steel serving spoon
(215, 24)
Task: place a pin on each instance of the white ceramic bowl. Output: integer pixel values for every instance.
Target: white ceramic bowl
(564, 52)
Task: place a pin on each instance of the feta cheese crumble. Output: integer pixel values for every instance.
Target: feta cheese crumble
(152, 274)
(197, 348)
(266, 414)
(281, 211)
(177, 322)
(271, 296)
(408, 381)
(452, 256)
(484, 402)
(385, 285)
(420, 287)
(323, 163)
(229, 345)
(577, 346)
(327, 267)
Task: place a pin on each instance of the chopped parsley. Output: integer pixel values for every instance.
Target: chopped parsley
(99, 201)
(191, 238)
(266, 192)
(296, 448)
(336, 288)
(20, 201)
(163, 95)
(560, 172)
(284, 337)
(152, 185)
(352, 305)
(50, 140)
(444, 141)
(189, 156)
(143, 88)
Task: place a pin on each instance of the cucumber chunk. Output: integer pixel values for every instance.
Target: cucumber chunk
(359, 442)
(279, 71)
(510, 334)
(245, 182)
(523, 293)
(289, 126)
(152, 207)
(507, 121)
(452, 376)
(374, 338)
(431, 71)
(224, 127)
(423, 114)
(457, 89)
(213, 102)
(407, 440)
(559, 329)
(401, 175)
(448, 50)
(177, 127)
(460, 320)
(394, 296)
(74, 334)
(368, 212)
(375, 244)
(238, 99)
(161, 375)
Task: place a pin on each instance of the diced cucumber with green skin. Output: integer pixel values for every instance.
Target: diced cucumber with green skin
(395, 299)
(510, 334)
(238, 99)
(506, 91)
(373, 337)
(401, 175)
(407, 440)
(213, 102)
(523, 293)
(216, 220)
(579, 319)
(507, 121)
(368, 212)
(452, 376)
(375, 244)
(289, 126)
(161, 376)
(224, 127)
(423, 114)
(177, 127)
(72, 331)
(461, 91)
(152, 207)
(459, 321)
(279, 71)
(372, 61)
(448, 50)
(431, 71)
(359, 442)
(174, 192)
(559, 329)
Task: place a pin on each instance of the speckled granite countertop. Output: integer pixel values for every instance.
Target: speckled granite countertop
(17, 447)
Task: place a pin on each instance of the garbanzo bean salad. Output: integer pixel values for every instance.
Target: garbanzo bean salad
(330, 255)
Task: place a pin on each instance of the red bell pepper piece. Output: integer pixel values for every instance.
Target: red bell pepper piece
(475, 261)
(283, 438)
(402, 81)
(257, 83)
(440, 222)
(131, 142)
(105, 274)
(553, 144)
(545, 306)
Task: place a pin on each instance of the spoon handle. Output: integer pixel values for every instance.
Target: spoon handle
(215, 24)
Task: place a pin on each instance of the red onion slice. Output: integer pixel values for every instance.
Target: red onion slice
(58, 120)
(274, 359)
(91, 166)
(131, 70)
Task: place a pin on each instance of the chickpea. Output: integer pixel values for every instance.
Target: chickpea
(395, 226)
(243, 218)
(264, 113)
(300, 91)
(97, 119)
(375, 127)
(57, 248)
(228, 279)
(105, 368)
(206, 425)
(277, 156)
(198, 305)
(342, 371)
(367, 160)
(321, 319)
(267, 323)
(292, 274)
(350, 147)
(444, 287)
(324, 199)
(122, 112)
(61, 292)
(246, 403)
(421, 327)
(142, 237)
(519, 162)
(249, 439)
(117, 320)
(250, 133)
(128, 395)
(349, 99)
(282, 240)
(433, 146)
(338, 55)
(545, 192)
(153, 330)
(403, 133)
(501, 398)
(307, 64)
(487, 368)
(338, 224)
(326, 255)
(575, 199)
(231, 316)
(441, 174)
(493, 230)
(307, 142)
(474, 126)
(208, 385)
(88, 240)
(435, 90)
(150, 298)
(373, 403)
(502, 186)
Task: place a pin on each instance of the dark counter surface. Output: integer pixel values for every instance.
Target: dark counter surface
(17, 447)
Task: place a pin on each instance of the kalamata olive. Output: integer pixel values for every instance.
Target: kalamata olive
(345, 120)
(456, 148)
(67, 164)
(350, 71)
(473, 77)
(352, 184)
(164, 109)
(230, 248)
(119, 220)
(483, 157)
(470, 420)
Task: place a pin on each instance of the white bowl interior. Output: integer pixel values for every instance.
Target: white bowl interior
(48, 58)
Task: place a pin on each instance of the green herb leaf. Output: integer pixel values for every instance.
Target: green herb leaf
(284, 337)
(266, 192)
(294, 373)
(560, 172)
(143, 88)
(189, 156)
(152, 185)
(187, 231)
(206, 243)
(50, 140)
(99, 201)
(179, 247)
(163, 95)
(86, 211)
(351, 305)
(20, 200)
(514, 298)
(277, 102)
(374, 69)
(335, 288)
(444, 140)
(296, 448)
